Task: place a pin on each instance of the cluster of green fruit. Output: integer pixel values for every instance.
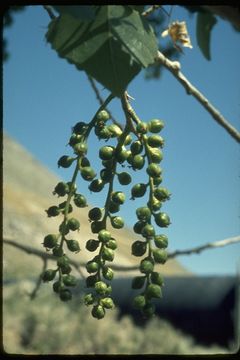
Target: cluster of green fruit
(144, 150)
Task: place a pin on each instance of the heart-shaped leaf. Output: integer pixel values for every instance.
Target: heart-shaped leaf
(112, 48)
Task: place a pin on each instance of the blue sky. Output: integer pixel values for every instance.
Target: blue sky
(44, 97)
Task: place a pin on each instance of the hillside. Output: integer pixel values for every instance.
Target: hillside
(27, 192)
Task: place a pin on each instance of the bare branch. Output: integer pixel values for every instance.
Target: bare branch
(49, 11)
(41, 254)
(172, 254)
(174, 68)
(150, 10)
(211, 245)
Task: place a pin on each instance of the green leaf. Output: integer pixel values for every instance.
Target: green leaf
(112, 48)
(84, 12)
(205, 23)
(139, 8)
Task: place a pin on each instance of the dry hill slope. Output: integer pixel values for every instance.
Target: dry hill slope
(27, 192)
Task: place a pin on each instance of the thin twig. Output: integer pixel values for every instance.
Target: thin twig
(174, 68)
(39, 281)
(101, 101)
(39, 253)
(196, 250)
(150, 10)
(49, 11)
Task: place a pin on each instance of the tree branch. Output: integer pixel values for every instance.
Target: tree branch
(174, 68)
(49, 11)
(196, 250)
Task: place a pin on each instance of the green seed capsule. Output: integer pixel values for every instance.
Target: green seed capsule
(88, 299)
(111, 244)
(153, 291)
(69, 280)
(85, 162)
(58, 286)
(155, 125)
(80, 200)
(102, 132)
(63, 261)
(154, 170)
(97, 226)
(162, 194)
(139, 248)
(92, 267)
(143, 213)
(107, 303)
(106, 152)
(62, 207)
(138, 162)
(156, 278)
(118, 197)
(80, 149)
(162, 219)
(142, 127)
(113, 207)
(100, 287)
(146, 266)
(61, 189)
(138, 190)
(137, 228)
(65, 295)
(154, 204)
(57, 251)
(103, 115)
(92, 245)
(95, 214)
(139, 301)
(115, 130)
(149, 310)
(80, 128)
(106, 174)
(122, 155)
(161, 241)
(148, 231)
(107, 254)
(157, 180)
(104, 236)
(124, 178)
(73, 245)
(96, 185)
(156, 155)
(98, 312)
(88, 173)
(128, 140)
(66, 269)
(136, 147)
(48, 275)
(63, 228)
(74, 139)
(108, 273)
(138, 282)
(160, 255)
(53, 211)
(65, 161)
(50, 241)
(117, 222)
(73, 224)
(155, 141)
